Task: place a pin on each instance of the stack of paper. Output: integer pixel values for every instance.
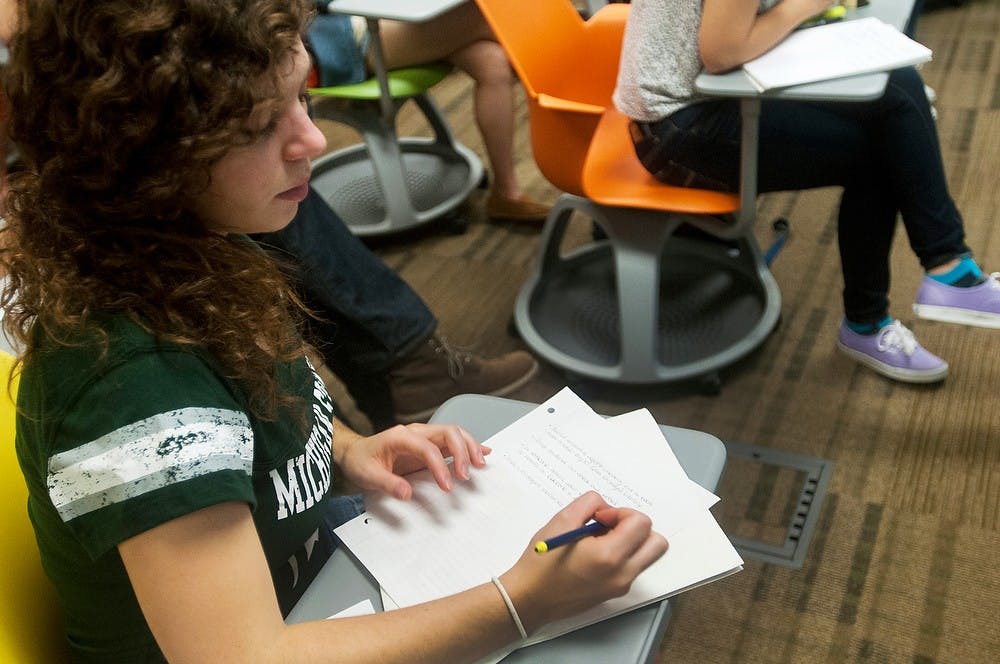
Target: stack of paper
(439, 544)
(846, 48)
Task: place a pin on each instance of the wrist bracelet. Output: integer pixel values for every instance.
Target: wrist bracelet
(510, 607)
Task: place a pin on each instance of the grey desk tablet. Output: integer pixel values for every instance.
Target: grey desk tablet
(632, 637)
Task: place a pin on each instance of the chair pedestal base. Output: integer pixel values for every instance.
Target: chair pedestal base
(645, 306)
(429, 183)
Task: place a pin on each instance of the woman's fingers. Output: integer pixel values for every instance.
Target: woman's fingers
(586, 507)
(456, 442)
(639, 544)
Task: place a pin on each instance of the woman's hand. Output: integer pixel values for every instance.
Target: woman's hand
(572, 578)
(378, 462)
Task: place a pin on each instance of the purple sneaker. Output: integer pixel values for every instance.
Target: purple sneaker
(893, 351)
(976, 305)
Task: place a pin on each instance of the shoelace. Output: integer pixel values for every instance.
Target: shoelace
(895, 335)
(456, 356)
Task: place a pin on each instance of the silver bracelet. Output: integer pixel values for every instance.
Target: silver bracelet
(510, 607)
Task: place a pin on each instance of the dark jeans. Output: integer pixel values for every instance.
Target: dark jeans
(910, 29)
(369, 316)
(884, 153)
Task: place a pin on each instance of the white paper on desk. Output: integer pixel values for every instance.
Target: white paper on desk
(362, 608)
(439, 544)
(845, 48)
(640, 429)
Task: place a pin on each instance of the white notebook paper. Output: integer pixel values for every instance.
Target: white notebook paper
(439, 544)
(835, 50)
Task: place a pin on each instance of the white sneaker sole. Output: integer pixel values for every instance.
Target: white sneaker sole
(896, 373)
(957, 315)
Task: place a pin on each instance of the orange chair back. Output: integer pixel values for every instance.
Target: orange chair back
(568, 67)
(554, 51)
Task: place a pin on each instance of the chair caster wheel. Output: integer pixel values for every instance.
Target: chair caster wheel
(457, 224)
(710, 385)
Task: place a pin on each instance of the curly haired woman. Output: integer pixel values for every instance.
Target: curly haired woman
(177, 446)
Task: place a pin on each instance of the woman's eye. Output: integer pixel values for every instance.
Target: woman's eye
(268, 129)
(305, 99)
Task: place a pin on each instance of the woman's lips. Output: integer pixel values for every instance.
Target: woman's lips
(296, 194)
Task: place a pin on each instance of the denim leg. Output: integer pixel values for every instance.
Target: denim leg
(905, 135)
(802, 146)
(369, 316)
(816, 145)
(885, 154)
(341, 509)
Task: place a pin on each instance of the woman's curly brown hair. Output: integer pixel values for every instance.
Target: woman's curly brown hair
(119, 110)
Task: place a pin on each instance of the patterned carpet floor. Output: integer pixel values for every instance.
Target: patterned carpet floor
(902, 563)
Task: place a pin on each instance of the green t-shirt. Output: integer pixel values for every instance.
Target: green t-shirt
(112, 446)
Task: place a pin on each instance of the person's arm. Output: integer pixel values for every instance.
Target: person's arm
(732, 32)
(8, 19)
(204, 587)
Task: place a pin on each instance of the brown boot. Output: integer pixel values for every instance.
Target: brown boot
(437, 371)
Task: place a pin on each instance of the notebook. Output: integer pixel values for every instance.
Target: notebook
(846, 48)
(439, 544)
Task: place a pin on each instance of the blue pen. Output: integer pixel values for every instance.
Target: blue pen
(592, 528)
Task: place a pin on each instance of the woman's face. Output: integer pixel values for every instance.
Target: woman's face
(257, 188)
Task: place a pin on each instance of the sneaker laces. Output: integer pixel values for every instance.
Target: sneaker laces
(896, 335)
(456, 356)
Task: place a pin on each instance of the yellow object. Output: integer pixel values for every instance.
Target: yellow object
(541, 547)
(835, 12)
(30, 621)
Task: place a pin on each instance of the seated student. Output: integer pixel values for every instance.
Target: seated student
(462, 37)
(176, 444)
(373, 331)
(885, 154)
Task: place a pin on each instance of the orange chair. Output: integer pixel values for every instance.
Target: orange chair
(643, 306)
(30, 620)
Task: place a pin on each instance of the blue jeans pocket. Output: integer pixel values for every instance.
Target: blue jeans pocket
(341, 509)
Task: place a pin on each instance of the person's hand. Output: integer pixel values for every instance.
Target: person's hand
(378, 462)
(572, 578)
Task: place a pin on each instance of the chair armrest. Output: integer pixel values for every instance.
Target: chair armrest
(559, 104)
